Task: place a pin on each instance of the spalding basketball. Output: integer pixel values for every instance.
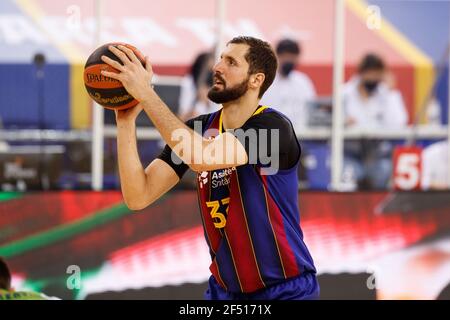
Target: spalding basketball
(106, 91)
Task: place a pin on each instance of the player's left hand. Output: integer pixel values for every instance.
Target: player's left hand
(135, 78)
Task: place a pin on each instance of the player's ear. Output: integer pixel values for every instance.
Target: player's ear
(256, 80)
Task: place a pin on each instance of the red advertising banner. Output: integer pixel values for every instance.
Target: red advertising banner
(400, 239)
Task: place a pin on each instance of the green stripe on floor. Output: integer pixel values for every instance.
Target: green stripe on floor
(5, 196)
(63, 232)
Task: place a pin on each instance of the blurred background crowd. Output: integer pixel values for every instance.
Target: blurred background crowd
(394, 92)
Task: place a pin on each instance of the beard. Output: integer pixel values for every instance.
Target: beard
(225, 95)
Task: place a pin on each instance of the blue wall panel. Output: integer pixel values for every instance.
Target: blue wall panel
(19, 107)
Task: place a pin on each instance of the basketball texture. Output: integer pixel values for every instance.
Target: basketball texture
(108, 92)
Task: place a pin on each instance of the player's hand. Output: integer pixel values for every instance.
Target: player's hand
(135, 78)
(128, 116)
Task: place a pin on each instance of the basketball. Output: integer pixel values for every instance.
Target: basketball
(108, 92)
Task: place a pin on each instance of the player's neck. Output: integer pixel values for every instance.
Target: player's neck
(237, 112)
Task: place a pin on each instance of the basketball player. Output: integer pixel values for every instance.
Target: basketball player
(249, 207)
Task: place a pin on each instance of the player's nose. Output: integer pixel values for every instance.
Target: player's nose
(218, 67)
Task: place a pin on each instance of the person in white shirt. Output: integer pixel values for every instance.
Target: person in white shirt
(435, 166)
(193, 99)
(370, 98)
(291, 90)
(371, 101)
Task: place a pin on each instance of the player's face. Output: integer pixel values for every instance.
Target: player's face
(230, 81)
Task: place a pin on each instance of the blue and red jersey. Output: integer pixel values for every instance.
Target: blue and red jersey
(251, 220)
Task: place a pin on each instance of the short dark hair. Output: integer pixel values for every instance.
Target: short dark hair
(5, 275)
(261, 58)
(288, 46)
(371, 61)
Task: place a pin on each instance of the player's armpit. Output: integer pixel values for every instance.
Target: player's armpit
(160, 178)
(225, 151)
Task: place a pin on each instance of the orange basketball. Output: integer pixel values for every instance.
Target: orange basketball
(108, 92)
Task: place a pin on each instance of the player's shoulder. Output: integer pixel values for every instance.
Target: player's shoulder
(272, 113)
(272, 119)
(203, 118)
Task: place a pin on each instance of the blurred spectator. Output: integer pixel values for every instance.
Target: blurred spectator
(291, 90)
(433, 112)
(371, 102)
(8, 293)
(370, 98)
(4, 146)
(193, 99)
(435, 166)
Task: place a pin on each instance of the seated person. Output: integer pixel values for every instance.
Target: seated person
(370, 100)
(435, 166)
(291, 90)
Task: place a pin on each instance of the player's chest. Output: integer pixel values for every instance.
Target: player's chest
(216, 181)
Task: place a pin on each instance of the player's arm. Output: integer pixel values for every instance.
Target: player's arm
(197, 152)
(139, 187)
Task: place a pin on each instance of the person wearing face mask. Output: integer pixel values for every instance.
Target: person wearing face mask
(291, 90)
(371, 101)
(370, 97)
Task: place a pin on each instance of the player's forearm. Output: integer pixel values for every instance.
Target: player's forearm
(132, 174)
(197, 152)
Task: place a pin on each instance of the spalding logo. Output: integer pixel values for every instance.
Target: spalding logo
(92, 77)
